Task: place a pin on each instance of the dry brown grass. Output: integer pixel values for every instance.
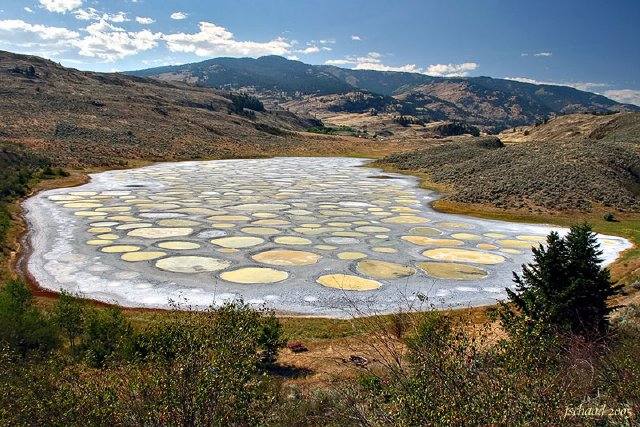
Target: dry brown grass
(562, 128)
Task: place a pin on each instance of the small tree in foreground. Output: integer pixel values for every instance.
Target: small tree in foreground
(565, 288)
(68, 316)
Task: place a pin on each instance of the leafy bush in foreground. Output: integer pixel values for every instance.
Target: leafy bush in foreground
(23, 328)
(452, 375)
(189, 368)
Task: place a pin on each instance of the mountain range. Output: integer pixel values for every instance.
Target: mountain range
(337, 94)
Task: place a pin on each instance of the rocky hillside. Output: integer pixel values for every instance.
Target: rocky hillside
(493, 104)
(572, 163)
(84, 118)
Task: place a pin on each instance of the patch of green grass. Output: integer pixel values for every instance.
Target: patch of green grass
(317, 328)
(329, 130)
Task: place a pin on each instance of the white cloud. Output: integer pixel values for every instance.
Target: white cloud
(293, 57)
(327, 41)
(88, 14)
(539, 54)
(28, 9)
(60, 6)
(587, 86)
(407, 68)
(310, 49)
(338, 62)
(451, 70)
(178, 15)
(214, 40)
(626, 96)
(356, 38)
(41, 31)
(372, 61)
(91, 14)
(103, 40)
(158, 61)
(108, 42)
(527, 80)
(117, 17)
(35, 38)
(144, 20)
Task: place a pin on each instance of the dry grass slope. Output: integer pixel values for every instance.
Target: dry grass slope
(539, 177)
(93, 119)
(573, 127)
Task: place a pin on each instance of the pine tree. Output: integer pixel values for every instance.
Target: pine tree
(565, 288)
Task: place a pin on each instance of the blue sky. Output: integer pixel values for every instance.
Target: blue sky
(588, 44)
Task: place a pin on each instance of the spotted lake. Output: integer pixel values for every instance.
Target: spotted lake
(314, 236)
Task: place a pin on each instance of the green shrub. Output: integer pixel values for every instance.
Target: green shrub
(200, 369)
(5, 225)
(107, 335)
(50, 172)
(328, 130)
(189, 369)
(453, 375)
(242, 101)
(69, 317)
(19, 169)
(270, 339)
(169, 339)
(23, 328)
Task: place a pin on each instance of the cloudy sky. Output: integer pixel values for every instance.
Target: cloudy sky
(588, 44)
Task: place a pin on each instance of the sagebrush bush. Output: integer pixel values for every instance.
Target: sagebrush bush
(455, 376)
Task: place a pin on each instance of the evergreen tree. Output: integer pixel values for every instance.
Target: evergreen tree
(565, 288)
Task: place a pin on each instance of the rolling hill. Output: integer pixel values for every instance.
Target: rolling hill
(575, 127)
(578, 162)
(493, 104)
(78, 118)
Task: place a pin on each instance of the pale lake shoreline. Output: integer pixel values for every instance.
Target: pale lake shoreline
(60, 259)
